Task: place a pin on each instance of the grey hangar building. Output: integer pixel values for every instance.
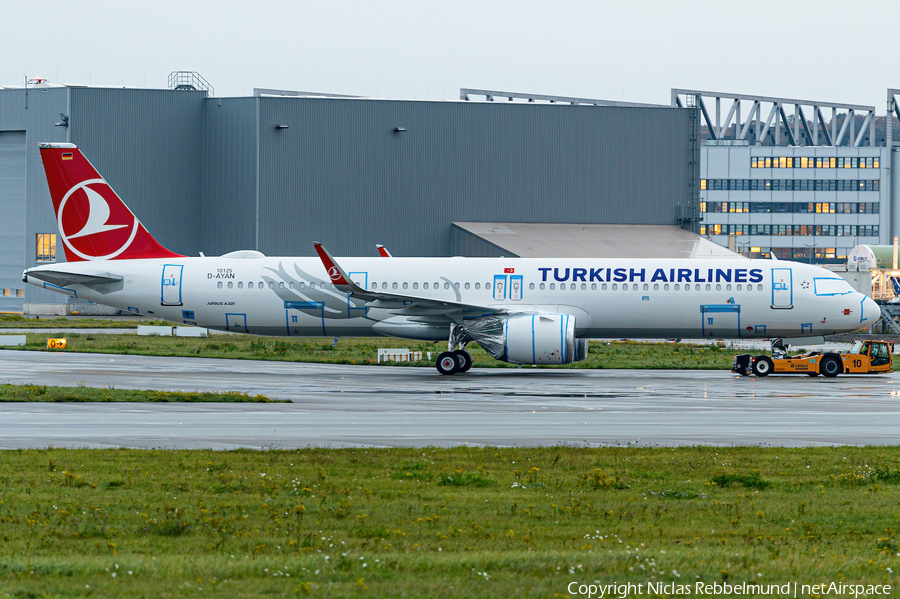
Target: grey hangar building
(491, 174)
(278, 170)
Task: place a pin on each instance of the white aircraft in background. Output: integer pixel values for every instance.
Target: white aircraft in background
(522, 311)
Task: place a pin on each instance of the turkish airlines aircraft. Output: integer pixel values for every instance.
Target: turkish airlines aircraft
(523, 311)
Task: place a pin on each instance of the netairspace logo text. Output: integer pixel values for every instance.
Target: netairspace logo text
(720, 589)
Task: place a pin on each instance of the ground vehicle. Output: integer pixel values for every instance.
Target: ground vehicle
(865, 357)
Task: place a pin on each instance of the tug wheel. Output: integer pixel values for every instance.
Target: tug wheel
(763, 366)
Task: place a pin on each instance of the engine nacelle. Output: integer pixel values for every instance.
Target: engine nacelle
(542, 339)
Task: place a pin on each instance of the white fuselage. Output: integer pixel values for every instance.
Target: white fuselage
(636, 298)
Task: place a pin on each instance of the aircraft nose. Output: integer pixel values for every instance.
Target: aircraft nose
(871, 310)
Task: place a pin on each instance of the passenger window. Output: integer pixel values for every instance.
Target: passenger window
(384, 285)
(488, 286)
(614, 287)
(456, 285)
(728, 287)
(759, 287)
(593, 286)
(230, 284)
(424, 285)
(405, 285)
(467, 285)
(625, 287)
(415, 285)
(478, 286)
(543, 286)
(656, 287)
(603, 287)
(552, 286)
(241, 285)
(374, 285)
(302, 284)
(281, 285)
(646, 286)
(446, 285)
(697, 287)
(250, 285)
(718, 287)
(666, 287)
(530, 286)
(219, 284)
(562, 285)
(394, 285)
(583, 286)
(677, 287)
(437, 285)
(738, 287)
(291, 284)
(708, 287)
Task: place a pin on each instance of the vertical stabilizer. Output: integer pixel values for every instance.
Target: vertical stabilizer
(94, 223)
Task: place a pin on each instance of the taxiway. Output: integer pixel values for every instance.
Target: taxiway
(338, 405)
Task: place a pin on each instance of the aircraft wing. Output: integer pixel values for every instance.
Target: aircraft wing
(421, 306)
(64, 279)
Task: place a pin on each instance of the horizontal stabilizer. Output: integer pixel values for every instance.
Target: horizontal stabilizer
(64, 279)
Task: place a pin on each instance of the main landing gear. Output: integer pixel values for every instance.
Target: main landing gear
(459, 360)
(451, 362)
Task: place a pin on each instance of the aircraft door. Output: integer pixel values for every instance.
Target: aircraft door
(171, 285)
(499, 287)
(236, 322)
(721, 320)
(515, 287)
(357, 308)
(782, 292)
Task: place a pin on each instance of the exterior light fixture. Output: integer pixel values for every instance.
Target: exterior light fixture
(63, 121)
(282, 126)
(399, 129)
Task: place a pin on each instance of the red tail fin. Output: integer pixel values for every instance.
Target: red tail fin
(94, 223)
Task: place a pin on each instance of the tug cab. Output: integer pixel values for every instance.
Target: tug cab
(864, 357)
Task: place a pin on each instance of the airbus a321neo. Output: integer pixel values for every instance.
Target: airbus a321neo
(522, 311)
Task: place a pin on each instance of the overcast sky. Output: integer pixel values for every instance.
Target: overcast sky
(633, 50)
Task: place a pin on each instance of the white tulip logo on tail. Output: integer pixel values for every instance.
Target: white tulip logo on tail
(98, 216)
(98, 230)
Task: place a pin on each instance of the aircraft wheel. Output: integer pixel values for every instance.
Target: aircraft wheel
(465, 360)
(830, 366)
(762, 366)
(447, 363)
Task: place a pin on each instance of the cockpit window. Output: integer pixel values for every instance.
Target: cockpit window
(829, 286)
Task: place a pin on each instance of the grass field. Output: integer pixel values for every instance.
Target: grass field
(461, 522)
(17, 321)
(45, 393)
(356, 350)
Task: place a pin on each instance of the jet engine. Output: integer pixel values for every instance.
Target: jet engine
(529, 339)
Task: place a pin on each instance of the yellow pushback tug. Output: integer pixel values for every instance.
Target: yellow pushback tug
(864, 357)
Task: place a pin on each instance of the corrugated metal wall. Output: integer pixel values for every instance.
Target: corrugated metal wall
(35, 114)
(341, 174)
(215, 174)
(230, 175)
(148, 145)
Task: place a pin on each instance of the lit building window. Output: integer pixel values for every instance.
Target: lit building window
(46, 247)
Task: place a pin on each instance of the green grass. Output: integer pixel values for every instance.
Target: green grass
(380, 523)
(17, 321)
(361, 350)
(47, 393)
